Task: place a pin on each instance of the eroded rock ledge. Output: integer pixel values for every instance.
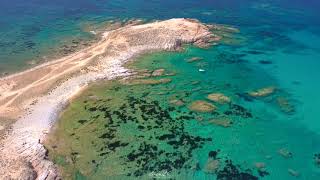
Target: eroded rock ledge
(36, 96)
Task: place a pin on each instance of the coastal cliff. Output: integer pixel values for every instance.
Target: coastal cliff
(35, 97)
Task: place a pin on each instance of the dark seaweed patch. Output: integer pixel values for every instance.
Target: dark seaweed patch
(154, 125)
(245, 97)
(266, 62)
(229, 58)
(238, 110)
(92, 109)
(316, 159)
(82, 121)
(254, 52)
(213, 154)
(263, 173)
(233, 172)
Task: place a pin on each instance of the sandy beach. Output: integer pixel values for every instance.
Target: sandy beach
(33, 99)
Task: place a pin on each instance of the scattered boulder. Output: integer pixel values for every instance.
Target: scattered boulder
(285, 153)
(224, 122)
(212, 166)
(32, 62)
(146, 81)
(262, 92)
(285, 106)
(194, 59)
(260, 165)
(219, 98)
(4, 74)
(176, 102)
(293, 173)
(202, 106)
(261, 169)
(195, 82)
(158, 72)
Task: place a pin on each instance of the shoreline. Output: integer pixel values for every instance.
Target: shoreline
(39, 101)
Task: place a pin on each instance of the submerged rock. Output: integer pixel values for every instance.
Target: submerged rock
(219, 98)
(195, 82)
(158, 72)
(263, 92)
(202, 106)
(260, 165)
(284, 105)
(212, 166)
(293, 173)
(146, 81)
(32, 62)
(224, 122)
(261, 169)
(285, 153)
(193, 59)
(176, 102)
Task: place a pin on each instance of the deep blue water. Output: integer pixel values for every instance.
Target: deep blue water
(31, 29)
(284, 33)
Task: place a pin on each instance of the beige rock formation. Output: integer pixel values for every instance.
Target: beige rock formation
(219, 98)
(194, 59)
(202, 106)
(285, 153)
(224, 122)
(260, 165)
(158, 72)
(285, 105)
(212, 166)
(176, 102)
(262, 92)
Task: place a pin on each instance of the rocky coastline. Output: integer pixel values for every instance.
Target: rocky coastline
(35, 97)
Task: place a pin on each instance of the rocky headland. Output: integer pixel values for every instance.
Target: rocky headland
(32, 99)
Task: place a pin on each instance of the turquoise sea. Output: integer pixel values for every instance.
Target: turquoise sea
(271, 137)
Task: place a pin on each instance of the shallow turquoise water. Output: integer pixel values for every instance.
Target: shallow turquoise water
(260, 128)
(281, 49)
